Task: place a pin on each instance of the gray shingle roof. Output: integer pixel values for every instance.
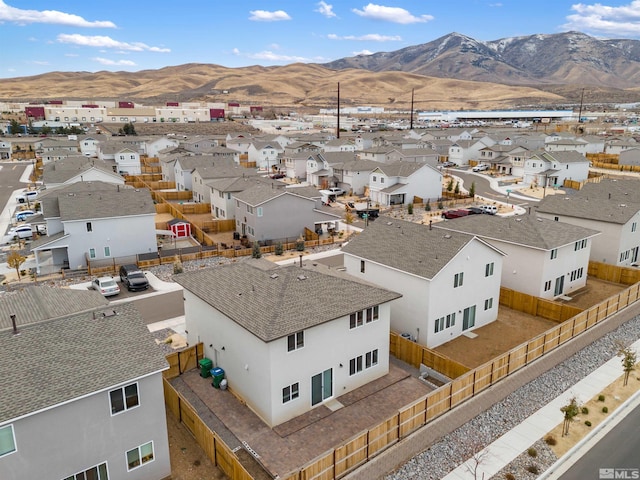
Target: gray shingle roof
(526, 230)
(59, 360)
(63, 170)
(271, 301)
(401, 168)
(407, 246)
(610, 201)
(262, 192)
(37, 303)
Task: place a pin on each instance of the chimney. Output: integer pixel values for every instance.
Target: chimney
(430, 222)
(300, 260)
(15, 326)
(609, 196)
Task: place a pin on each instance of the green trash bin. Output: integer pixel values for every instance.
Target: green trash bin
(205, 367)
(218, 375)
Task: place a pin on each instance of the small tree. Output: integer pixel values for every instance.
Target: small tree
(14, 260)
(457, 189)
(410, 209)
(427, 206)
(440, 205)
(300, 244)
(177, 265)
(256, 253)
(450, 185)
(279, 250)
(570, 411)
(629, 360)
(14, 127)
(472, 190)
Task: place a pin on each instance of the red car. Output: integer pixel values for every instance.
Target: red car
(449, 214)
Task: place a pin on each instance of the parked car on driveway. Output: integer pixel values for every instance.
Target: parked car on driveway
(449, 214)
(107, 286)
(447, 164)
(21, 231)
(489, 209)
(481, 167)
(337, 191)
(22, 215)
(27, 196)
(133, 277)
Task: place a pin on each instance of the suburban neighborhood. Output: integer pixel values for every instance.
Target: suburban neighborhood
(320, 277)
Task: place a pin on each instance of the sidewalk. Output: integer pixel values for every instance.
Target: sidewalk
(506, 448)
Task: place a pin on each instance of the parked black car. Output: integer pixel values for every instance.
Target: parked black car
(133, 278)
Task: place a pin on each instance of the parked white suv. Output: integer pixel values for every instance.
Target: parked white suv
(489, 209)
(480, 167)
(27, 196)
(337, 191)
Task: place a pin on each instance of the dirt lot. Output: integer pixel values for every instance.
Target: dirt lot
(513, 327)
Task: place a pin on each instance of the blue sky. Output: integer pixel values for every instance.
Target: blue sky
(71, 35)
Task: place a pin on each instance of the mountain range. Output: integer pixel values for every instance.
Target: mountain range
(451, 72)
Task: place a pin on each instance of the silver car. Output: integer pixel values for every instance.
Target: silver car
(107, 286)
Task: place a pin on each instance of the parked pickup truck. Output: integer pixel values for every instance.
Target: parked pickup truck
(362, 208)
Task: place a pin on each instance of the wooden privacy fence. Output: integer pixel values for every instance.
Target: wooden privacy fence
(369, 443)
(415, 354)
(576, 185)
(603, 158)
(217, 451)
(614, 273)
(539, 307)
(186, 359)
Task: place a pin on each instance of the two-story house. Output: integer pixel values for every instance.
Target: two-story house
(95, 221)
(78, 169)
(544, 258)
(550, 169)
(449, 281)
(400, 182)
(82, 393)
(611, 207)
(223, 189)
(289, 339)
(265, 212)
(265, 154)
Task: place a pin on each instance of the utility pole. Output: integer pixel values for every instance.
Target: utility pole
(338, 123)
(580, 110)
(411, 121)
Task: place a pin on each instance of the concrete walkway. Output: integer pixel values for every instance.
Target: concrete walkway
(509, 446)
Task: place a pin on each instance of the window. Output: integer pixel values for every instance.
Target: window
(7, 440)
(99, 472)
(92, 253)
(547, 285)
(488, 303)
(457, 279)
(220, 194)
(107, 251)
(295, 341)
(488, 269)
(259, 211)
(139, 456)
(556, 219)
(580, 245)
(371, 359)
(124, 398)
(451, 320)
(361, 266)
(554, 253)
(290, 393)
(89, 227)
(381, 179)
(634, 225)
(374, 178)
(355, 365)
(439, 324)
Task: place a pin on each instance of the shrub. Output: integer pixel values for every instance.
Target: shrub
(509, 476)
(279, 250)
(300, 245)
(410, 209)
(256, 252)
(532, 452)
(605, 410)
(532, 469)
(177, 265)
(550, 440)
(440, 205)
(427, 206)
(585, 411)
(601, 398)
(587, 423)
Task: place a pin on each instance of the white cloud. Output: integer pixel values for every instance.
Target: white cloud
(71, 55)
(363, 52)
(106, 61)
(614, 21)
(24, 17)
(495, 5)
(270, 56)
(39, 62)
(11, 69)
(390, 14)
(371, 37)
(102, 41)
(325, 9)
(265, 16)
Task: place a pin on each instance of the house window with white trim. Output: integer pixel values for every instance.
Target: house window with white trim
(124, 398)
(547, 285)
(7, 440)
(92, 253)
(295, 341)
(458, 278)
(290, 392)
(138, 456)
(488, 269)
(97, 472)
(89, 227)
(107, 251)
(488, 304)
(554, 253)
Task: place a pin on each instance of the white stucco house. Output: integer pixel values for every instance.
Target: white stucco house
(288, 338)
(95, 221)
(449, 281)
(85, 400)
(544, 258)
(551, 169)
(611, 207)
(265, 154)
(78, 169)
(400, 182)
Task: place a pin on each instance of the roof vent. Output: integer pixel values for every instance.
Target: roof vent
(518, 219)
(447, 236)
(273, 276)
(111, 313)
(622, 205)
(301, 277)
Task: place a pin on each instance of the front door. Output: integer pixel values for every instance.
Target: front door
(559, 286)
(321, 386)
(469, 317)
